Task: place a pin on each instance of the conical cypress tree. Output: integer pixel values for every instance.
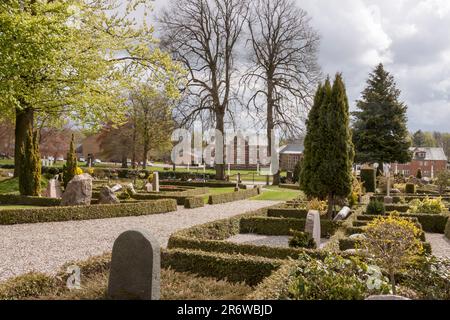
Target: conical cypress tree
(379, 132)
(337, 150)
(70, 168)
(308, 178)
(30, 174)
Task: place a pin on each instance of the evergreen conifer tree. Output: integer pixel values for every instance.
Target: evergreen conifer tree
(70, 168)
(380, 133)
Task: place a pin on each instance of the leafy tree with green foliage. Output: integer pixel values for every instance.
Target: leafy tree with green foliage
(70, 168)
(380, 133)
(329, 153)
(30, 179)
(75, 59)
(418, 139)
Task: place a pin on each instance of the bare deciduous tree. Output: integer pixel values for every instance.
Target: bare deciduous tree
(284, 71)
(203, 35)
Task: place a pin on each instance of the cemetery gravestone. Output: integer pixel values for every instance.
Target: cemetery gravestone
(107, 196)
(78, 191)
(155, 181)
(135, 267)
(312, 226)
(343, 214)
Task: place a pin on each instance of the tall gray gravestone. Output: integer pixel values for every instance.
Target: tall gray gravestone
(155, 182)
(135, 267)
(312, 225)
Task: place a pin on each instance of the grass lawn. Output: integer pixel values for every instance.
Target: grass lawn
(174, 286)
(11, 185)
(6, 161)
(276, 193)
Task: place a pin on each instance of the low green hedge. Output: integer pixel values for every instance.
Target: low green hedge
(14, 199)
(282, 226)
(434, 223)
(233, 196)
(447, 229)
(235, 268)
(194, 202)
(242, 249)
(347, 243)
(287, 213)
(290, 186)
(354, 230)
(155, 196)
(210, 184)
(410, 188)
(397, 207)
(54, 214)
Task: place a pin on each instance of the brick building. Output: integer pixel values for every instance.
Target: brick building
(290, 155)
(430, 161)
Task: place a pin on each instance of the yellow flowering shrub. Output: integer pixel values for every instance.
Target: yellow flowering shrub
(392, 243)
(427, 205)
(78, 171)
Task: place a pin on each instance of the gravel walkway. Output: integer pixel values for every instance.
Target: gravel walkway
(45, 247)
(440, 245)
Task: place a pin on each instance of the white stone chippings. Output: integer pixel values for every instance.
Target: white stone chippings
(45, 247)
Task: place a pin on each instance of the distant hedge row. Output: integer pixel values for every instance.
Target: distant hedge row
(54, 214)
(15, 199)
(233, 196)
(287, 213)
(282, 226)
(210, 184)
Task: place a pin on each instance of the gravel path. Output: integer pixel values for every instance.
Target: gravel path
(45, 247)
(440, 245)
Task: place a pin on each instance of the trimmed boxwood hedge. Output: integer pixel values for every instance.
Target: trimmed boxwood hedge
(368, 178)
(14, 199)
(433, 223)
(282, 226)
(287, 213)
(209, 184)
(290, 186)
(347, 243)
(194, 202)
(233, 196)
(234, 268)
(447, 229)
(243, 249)
(54, 214)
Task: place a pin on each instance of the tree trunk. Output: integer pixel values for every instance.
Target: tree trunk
(133, 156)
(24, 122)
(124, 161)
(270, 124)
(220, 168)
(392, 276)
(330, 206)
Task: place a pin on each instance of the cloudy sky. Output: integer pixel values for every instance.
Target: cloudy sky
(412, 39)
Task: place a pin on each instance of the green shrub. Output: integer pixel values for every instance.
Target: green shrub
(282, 226)
(410, 188)
(431, 206)
(233, 196)
(235, 268)
(334, 278)
(31, 285)
(429, 278)
(53, 214)
(376, 207)
(447, 229)
(194, 202)
(14, 199)
(433, 223)
(301, 239)
(368, 178)
(396, 207)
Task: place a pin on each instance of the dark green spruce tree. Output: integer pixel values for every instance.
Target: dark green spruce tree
(30, 177)
(380, 132)
(70, 168)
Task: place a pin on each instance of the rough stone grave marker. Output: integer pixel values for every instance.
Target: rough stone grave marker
(135, 267)
(78, 191)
